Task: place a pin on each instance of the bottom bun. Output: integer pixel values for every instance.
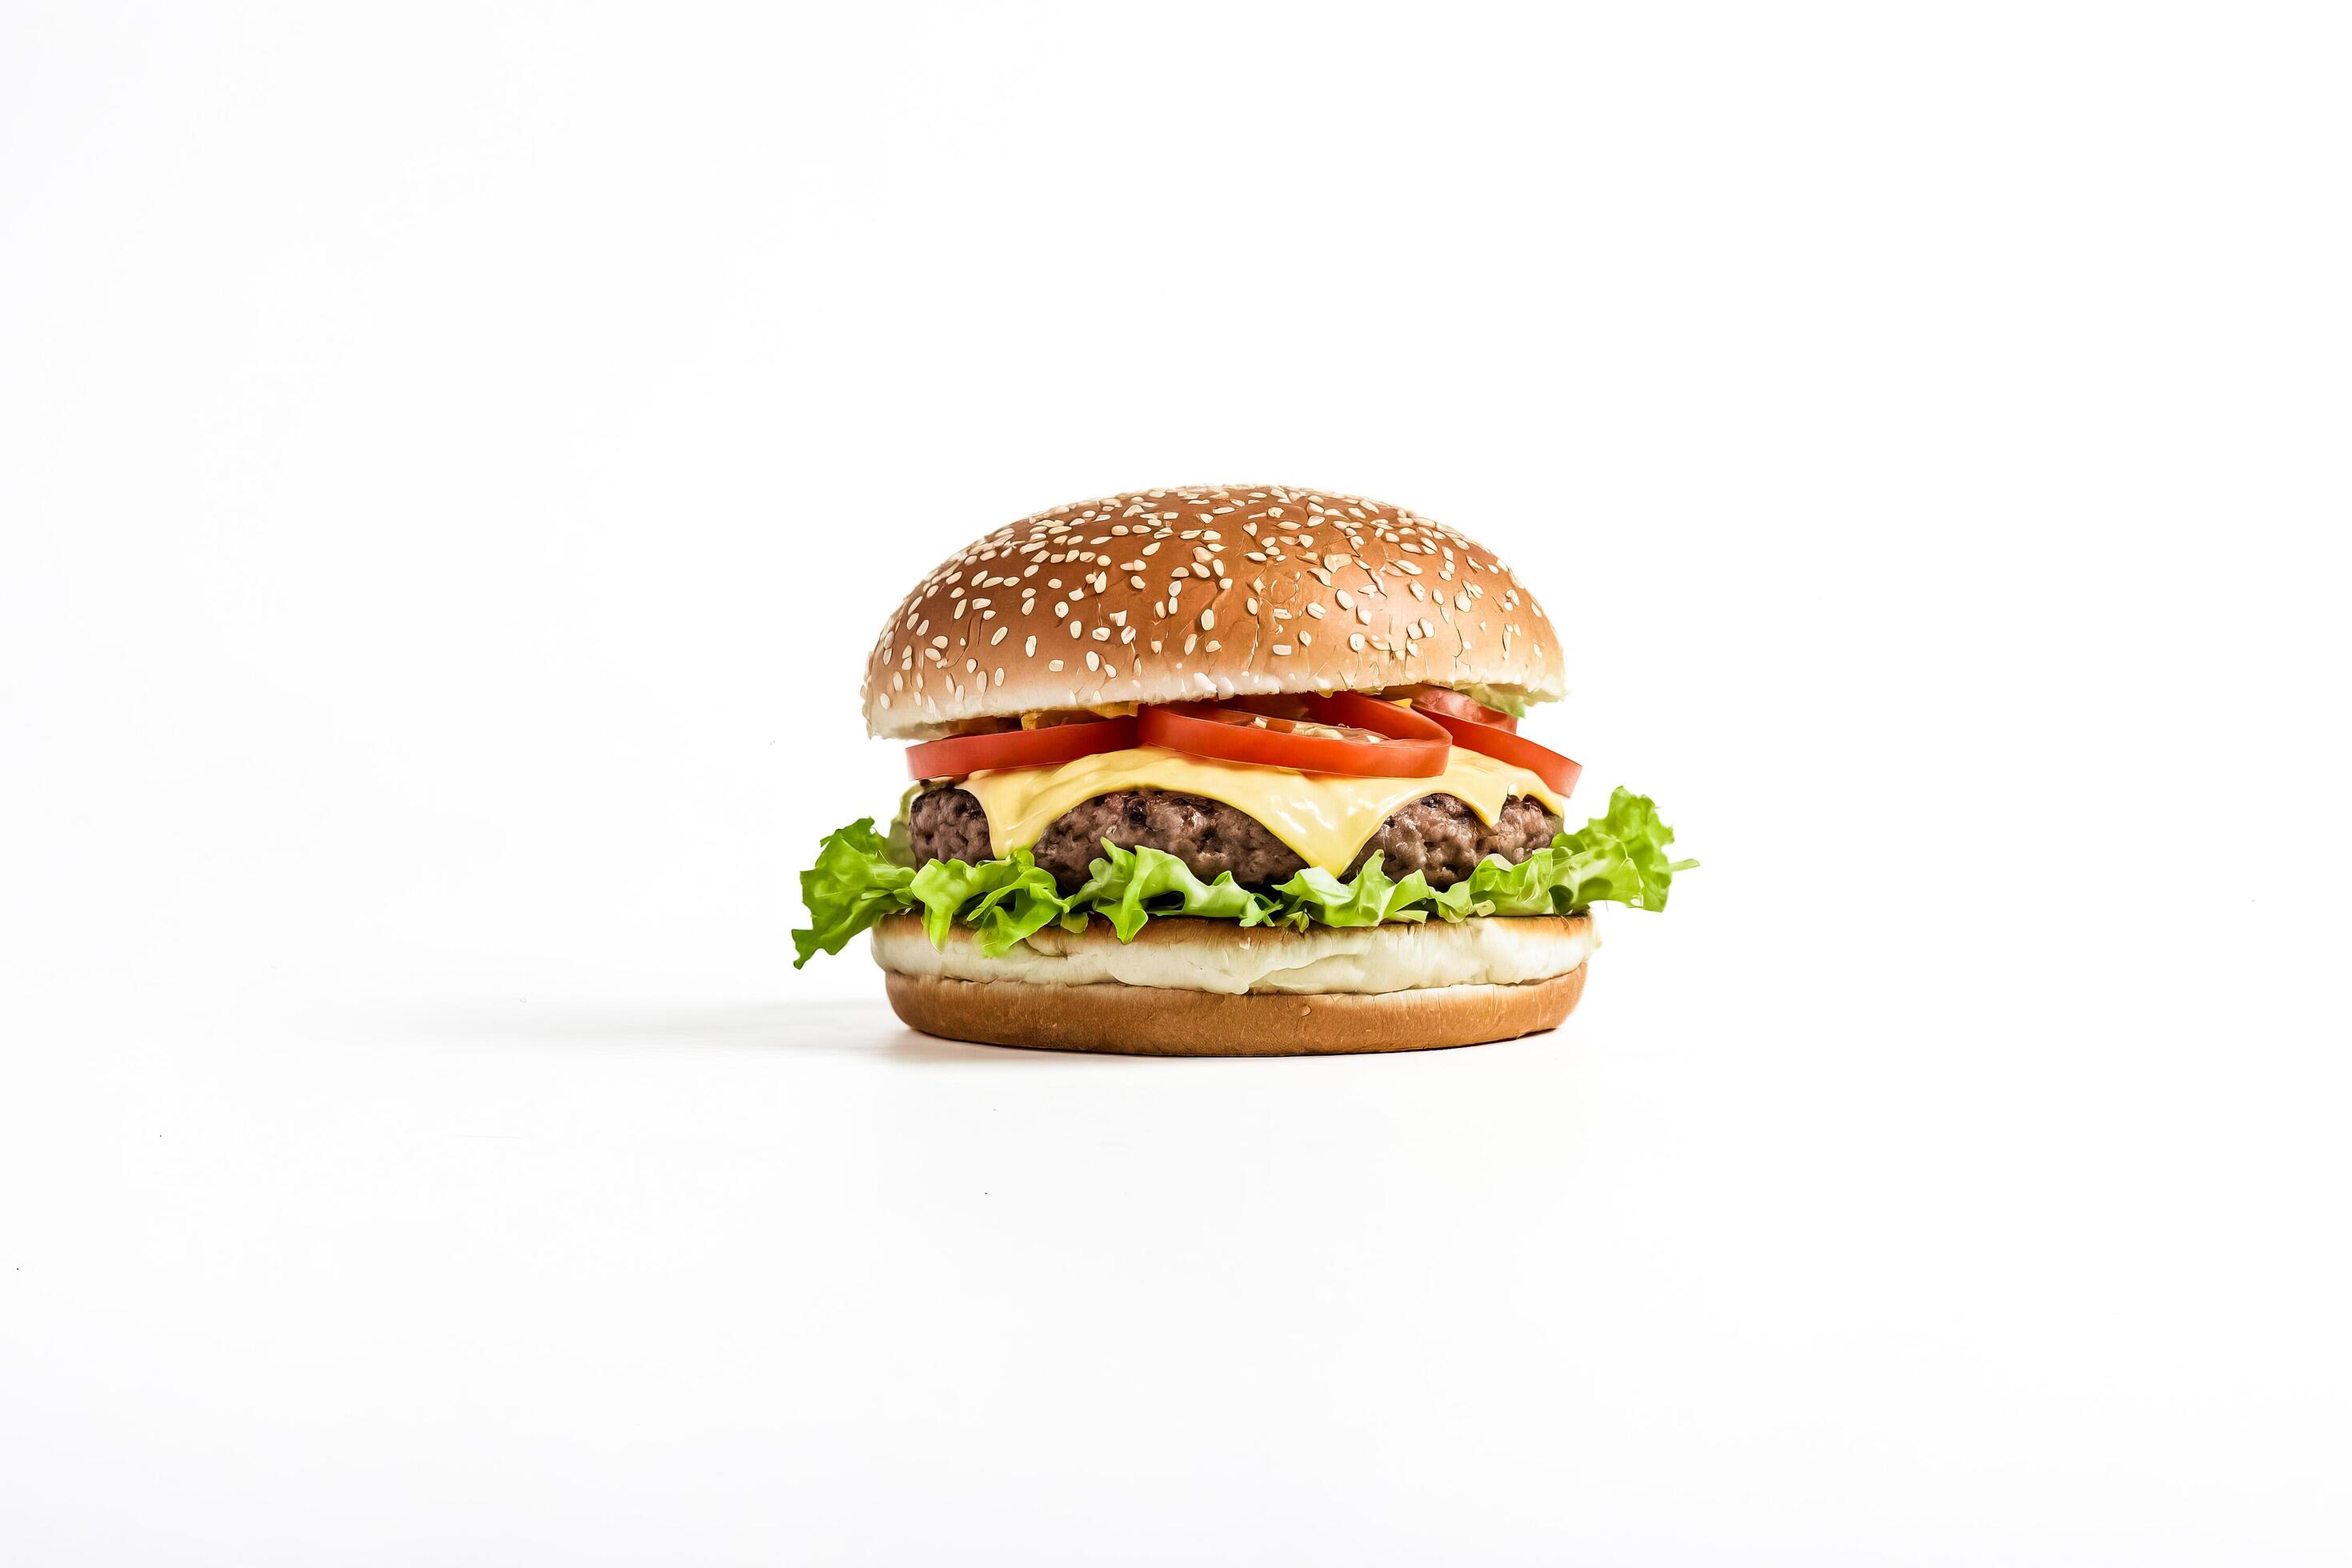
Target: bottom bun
(1157, 1021)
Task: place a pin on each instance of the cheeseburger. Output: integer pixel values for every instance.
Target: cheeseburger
(1230, 771)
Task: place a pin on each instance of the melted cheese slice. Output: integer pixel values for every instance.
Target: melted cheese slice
(1324, 816)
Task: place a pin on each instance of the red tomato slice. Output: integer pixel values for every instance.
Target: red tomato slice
(1351, 734)
(1506, 747)
(960, 754)
(1444, 700)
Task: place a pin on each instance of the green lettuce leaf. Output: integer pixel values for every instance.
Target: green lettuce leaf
(1515, 703)
(1315, 897)
(853, 884)
(1619, 857)
(1004, 899)
(1129, 885)
(897, 841)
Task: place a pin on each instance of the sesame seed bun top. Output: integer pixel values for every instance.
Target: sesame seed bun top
(1208, 592)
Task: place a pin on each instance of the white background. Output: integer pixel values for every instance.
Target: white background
(452, 461)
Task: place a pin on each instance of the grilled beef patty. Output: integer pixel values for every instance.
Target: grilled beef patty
(1437, 835)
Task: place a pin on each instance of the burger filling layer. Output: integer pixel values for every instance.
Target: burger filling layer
(1438, 836)
(1327, 821)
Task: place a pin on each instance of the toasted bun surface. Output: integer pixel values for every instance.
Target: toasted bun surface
(1144, 1021)
(1169, 594)
(1188, 1003)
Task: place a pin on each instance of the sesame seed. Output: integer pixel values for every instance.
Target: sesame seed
(1209, 620)
(1030, 646)
(1356, 641)
(1055, 665)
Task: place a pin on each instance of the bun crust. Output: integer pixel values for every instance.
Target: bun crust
(1151, 1021)
(1208, 592)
